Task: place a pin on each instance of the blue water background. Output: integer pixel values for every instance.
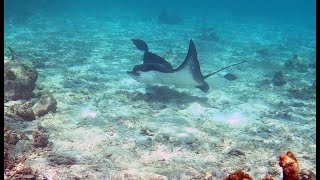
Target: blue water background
(298, 12)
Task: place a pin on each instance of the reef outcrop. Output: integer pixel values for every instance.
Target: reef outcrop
(21, 103)
(19, 80)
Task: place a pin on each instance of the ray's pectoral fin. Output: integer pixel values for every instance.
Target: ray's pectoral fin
(149, 67)
(149, 57)
(191, 65)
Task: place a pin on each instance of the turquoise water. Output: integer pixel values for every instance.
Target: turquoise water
(116, 127)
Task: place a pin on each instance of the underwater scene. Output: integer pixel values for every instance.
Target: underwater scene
(159, 90)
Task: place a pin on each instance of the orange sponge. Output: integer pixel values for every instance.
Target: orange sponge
(290, 166)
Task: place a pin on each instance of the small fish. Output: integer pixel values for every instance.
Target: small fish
(230, 77)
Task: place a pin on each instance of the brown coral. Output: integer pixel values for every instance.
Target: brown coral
(10, 136)
(238, 175)
(14, 168)
(40, 139)
(8, 162)
(290, 166)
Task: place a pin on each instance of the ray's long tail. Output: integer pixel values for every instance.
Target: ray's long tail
(206, 76)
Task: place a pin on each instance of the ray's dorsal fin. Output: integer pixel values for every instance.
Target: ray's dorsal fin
(151, 58)
(206, 76)
(191, 64)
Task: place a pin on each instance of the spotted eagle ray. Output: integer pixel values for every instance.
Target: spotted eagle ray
(156, 70)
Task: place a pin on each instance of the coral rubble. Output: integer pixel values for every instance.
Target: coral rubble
(40, 139)
(14, 168)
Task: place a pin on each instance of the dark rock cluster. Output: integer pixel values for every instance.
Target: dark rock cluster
(279, 79)
(61, 160)
(297, 63)
(304, 93)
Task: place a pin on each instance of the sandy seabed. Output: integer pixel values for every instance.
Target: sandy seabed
(116, 128)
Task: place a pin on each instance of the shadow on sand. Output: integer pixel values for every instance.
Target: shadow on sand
(165, 95)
